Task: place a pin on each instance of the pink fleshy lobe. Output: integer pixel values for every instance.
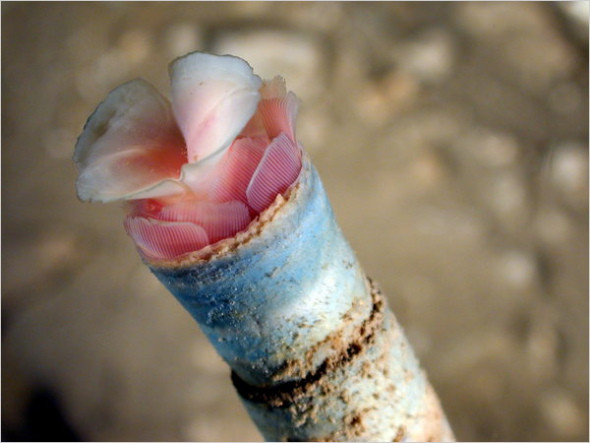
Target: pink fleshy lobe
(236, 168)
(277, 170)
(219, 220)
(198, 170)
(166, 231)
(278, 109)
(158, 240)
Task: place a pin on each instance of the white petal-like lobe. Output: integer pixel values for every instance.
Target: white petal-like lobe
(130, 144)
(213, 98)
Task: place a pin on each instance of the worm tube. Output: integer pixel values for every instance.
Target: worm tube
(315, 352)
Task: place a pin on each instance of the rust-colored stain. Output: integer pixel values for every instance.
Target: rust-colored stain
(284, 394)
(401, 433)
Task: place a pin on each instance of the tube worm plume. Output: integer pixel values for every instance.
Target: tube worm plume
(228, 212)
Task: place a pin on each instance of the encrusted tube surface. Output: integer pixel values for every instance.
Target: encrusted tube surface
(315, 353)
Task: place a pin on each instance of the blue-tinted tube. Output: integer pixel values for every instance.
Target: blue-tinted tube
(314, 351)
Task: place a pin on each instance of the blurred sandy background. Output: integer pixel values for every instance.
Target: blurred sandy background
(452, 140)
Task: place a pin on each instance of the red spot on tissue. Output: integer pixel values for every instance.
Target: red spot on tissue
(149, 207)
(183, 227)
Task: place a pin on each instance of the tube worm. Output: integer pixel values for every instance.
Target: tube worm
(228, 212)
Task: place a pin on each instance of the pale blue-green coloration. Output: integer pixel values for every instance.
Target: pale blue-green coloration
(280, 292)
(314, 350)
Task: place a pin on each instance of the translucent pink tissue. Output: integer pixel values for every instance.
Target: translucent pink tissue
(200, 169)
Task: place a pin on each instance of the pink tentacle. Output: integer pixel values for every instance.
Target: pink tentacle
(236, 168)
(219, 220)
(278, 115)
(166, 240)
(278, 169)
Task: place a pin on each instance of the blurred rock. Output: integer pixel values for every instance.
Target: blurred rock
(378, 101)
(428, 56)
(38, 260)
(500, 20)
(182, 38)
(135, 45)
(509, 200)
(568, 173)
(295, 56)
(542, 344)
(324, 16)
(563, 414)
(489, 149)
(566, 98)
(576, 15)
(429, 170)
(553, 227)
(517, 269)
(314, 127)
(537, 56)
(59, 142)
